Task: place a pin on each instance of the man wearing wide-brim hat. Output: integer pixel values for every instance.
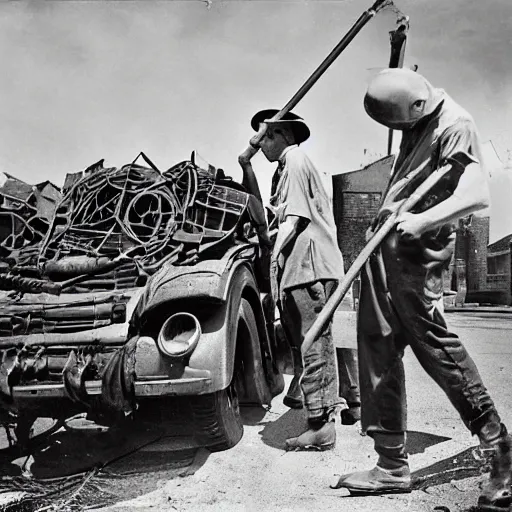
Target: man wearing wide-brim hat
(306, 265)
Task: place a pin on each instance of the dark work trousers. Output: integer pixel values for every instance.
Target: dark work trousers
(348, 375)
(300, 307)
(396, 309)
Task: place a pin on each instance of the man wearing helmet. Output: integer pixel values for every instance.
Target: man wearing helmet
(402, 282)
(306, 265)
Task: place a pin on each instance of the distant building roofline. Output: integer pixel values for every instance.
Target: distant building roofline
(503, 244)
(381, 161)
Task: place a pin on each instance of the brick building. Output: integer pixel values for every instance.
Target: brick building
(356, 199)
(471, 246)
(499, 270)
(479, 272)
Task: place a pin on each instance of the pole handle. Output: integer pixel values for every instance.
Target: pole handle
(334, 301)
(326, 63)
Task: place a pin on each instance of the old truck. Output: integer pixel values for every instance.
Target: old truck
(142, 285)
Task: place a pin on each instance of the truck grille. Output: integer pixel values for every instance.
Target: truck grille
(23, 317)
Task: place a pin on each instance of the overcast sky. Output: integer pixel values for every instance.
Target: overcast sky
(88, 80)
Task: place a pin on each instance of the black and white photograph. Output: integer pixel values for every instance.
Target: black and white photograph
(256, 255)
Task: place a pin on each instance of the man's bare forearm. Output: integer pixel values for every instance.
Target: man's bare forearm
(259, 221)
(255, 205)
(250, 182)
(471, 195)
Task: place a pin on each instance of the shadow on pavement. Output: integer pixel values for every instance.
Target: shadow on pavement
(293, 423)
(96, 467)
(290, 424)
(418, 442)
(455, 467)
(103, 466)
(252, 415)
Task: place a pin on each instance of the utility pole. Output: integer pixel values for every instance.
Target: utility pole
(398, 39)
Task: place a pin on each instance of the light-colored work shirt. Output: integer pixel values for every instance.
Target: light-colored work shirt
(448, 130)
(425, 148)
(315, 254)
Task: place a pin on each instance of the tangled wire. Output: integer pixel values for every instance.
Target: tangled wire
(133, 219)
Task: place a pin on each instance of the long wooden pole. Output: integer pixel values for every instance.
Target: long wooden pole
(334, 301)
(322, 68)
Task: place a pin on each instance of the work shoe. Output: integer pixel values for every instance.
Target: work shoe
(292, 402)
(314, 439)
(351, 415)
(497, 493)
(377, 481)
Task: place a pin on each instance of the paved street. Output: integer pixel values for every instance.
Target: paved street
(257, 475)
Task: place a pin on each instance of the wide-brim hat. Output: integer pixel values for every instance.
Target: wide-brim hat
(296, 124)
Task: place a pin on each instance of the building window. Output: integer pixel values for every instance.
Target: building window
(498, 264)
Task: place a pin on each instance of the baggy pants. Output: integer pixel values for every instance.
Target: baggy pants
(348, 375)
(300, 307)
(396, 309)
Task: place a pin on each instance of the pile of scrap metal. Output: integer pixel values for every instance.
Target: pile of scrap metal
(68, 286)
(25, 211)
(114, 227)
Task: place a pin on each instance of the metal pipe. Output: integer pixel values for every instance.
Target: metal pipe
(398, 40)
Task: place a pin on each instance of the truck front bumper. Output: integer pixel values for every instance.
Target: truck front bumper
(143, 388)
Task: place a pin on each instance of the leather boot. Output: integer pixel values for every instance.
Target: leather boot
(293, 398)
(319, 437)
(497, 444)
(376, 481)
(391, 474)
(348, 379)
(351, 415)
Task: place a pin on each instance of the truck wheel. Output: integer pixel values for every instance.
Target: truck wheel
(217, 415)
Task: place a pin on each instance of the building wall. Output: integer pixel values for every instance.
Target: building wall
(356, 212)
(356, 199)
(472, 242)
(499, 278)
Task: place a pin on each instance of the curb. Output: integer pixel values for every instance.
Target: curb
(460, 309)
(482, 309)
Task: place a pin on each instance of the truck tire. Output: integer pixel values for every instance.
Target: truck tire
(217, 419)
(217, 415)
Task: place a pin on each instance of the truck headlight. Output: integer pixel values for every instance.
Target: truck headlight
(179, 335)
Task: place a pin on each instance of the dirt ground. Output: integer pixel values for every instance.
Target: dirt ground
(149, 469)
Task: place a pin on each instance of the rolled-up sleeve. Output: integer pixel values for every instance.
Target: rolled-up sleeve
(461, 136)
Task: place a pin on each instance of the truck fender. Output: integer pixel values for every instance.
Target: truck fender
(218, 345)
